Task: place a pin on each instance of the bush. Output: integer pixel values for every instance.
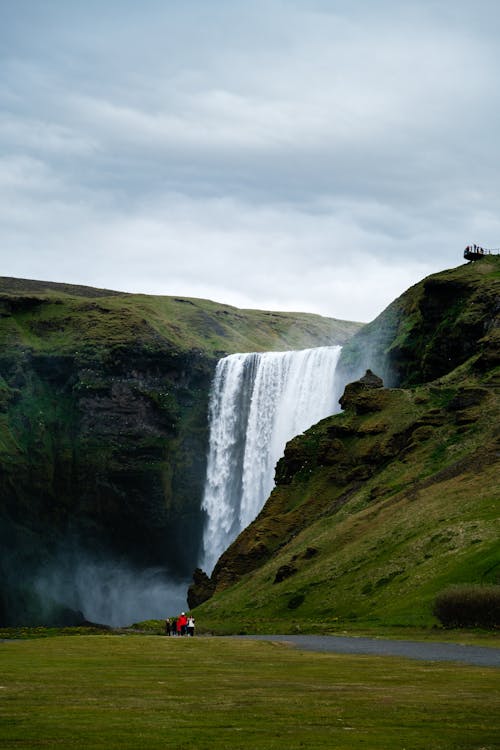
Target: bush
(296, 601)
(469, 606)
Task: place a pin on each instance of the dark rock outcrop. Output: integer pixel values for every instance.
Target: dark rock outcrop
(359, 395)
(201, 589)
(284, 572)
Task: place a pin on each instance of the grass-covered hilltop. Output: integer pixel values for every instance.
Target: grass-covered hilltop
(379, 509)
(103, 427)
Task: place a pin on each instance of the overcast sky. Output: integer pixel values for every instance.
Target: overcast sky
(316, 155)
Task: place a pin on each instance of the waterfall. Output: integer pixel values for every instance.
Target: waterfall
(258, 402)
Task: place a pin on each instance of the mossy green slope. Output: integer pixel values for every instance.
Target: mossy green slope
(63, 318)
(103, 421)
(435, 326)
(379, 508)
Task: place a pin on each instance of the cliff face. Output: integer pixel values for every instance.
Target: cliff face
(432, 328)
(377, 508)
(103, 423)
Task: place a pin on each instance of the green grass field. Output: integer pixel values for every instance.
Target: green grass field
(216, 693)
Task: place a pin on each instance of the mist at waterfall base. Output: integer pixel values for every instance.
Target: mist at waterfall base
(259, 401)
(107, 592)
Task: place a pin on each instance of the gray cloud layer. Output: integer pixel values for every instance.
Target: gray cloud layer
(294, 155)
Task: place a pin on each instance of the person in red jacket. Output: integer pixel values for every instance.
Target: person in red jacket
(181, 624)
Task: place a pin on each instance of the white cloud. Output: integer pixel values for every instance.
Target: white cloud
(269, 257)
(41, 136)
(341, 86)
(308, 155)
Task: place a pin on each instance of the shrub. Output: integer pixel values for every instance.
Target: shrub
(296, 601)
(469, 606)
(284, 572)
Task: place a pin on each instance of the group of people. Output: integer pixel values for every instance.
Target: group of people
(477, 249)
(182, 625)
(474, 252)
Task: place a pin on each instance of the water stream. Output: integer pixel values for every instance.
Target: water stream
(259, 401)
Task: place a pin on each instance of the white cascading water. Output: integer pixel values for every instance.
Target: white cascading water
(258, 403)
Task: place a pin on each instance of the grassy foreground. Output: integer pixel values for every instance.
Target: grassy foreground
(214, 693)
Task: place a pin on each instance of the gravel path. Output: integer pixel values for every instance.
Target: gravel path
(425, 651)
